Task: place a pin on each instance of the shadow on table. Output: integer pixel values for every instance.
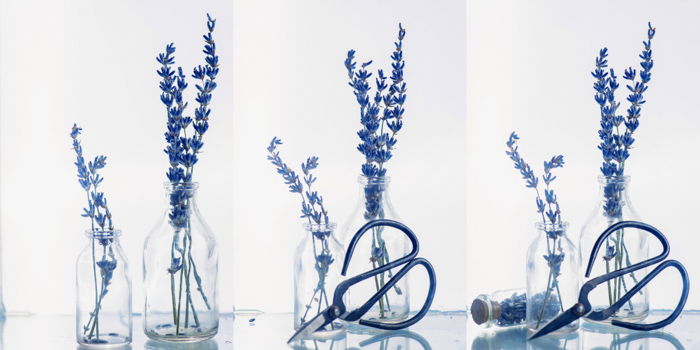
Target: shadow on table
(205, 345)
(597, 338)
(123, 347)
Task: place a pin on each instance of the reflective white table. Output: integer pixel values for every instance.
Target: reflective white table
(684, 333)
(242, 331)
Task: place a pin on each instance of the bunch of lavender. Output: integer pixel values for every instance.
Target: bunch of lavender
(616, 131)
(100, 226)
(314, 212)
(617, 136)
(182, 151)
(550, 212)
(381, 117)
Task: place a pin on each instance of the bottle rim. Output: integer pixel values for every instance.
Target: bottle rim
(548, 227)
(97, 233)
(613, 179)
(169, 186)
(314, 227)
(373, 180)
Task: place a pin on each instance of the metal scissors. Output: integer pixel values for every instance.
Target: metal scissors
(338, 309)
(584, 309)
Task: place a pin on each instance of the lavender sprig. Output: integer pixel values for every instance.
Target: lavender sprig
(182, 151)
(384, 110)
(616, 132)
(313, 210)
(311, 202)
(100, 224)
(90, 179)
(548, 207)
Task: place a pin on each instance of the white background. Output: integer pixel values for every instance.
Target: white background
(529, 67)
(94, 63)
(290, 82)
(281, 74)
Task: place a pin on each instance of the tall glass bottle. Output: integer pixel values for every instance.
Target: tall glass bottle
(623, 248)
(318, 261)
(552, 277)
(103, 307)
(375, 203)
(180, 267)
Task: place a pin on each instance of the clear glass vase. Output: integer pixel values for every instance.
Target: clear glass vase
(382, 247)
(318, 261)
(625, 247)
(180, 267)
(103, 307)
(552, 277)
(502, 308)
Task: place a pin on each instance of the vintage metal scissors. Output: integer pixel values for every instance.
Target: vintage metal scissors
(338, 309)
(584, 309)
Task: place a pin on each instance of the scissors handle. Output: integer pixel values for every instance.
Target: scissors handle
(638, 266)
(426, 306)
(370, 225)
(676, 312)
(409, 261)
(343, 286)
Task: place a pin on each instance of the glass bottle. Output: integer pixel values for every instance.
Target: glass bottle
(552, 276)
(180, 266)
(623, 248)
(503, 308)
(103, 308)
(318, 261)
(381, 248)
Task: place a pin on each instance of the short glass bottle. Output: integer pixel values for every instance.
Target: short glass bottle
(625, 247)
(552, 276)
(180, 267)
(103, 299)
(503, 308)
(318, 261)
(375, 203)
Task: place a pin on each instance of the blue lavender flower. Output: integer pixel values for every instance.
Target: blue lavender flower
(550, 212)
(182, 150)
(311, 202)
(513, 310)
(616, 132)
(381, 115)
(101, 226)
(549, 206)
(90, 179)
(314, 212)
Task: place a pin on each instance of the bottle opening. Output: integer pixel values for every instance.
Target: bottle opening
(374, 180)
(97, 233)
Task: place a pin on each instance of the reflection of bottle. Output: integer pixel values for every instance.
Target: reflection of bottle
(503, 308)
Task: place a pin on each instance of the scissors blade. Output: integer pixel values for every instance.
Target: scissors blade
(321, 320)
(560, 321)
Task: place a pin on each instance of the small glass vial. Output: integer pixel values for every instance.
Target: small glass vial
(503, 308)
(103, 310)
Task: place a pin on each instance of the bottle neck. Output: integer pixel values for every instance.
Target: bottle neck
(181, 201)
(105, 238)
(182, 195)
(374, 192)
(552, 231)
(320, 231)
(614, 194)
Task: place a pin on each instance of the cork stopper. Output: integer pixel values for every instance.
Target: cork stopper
(484, 311)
